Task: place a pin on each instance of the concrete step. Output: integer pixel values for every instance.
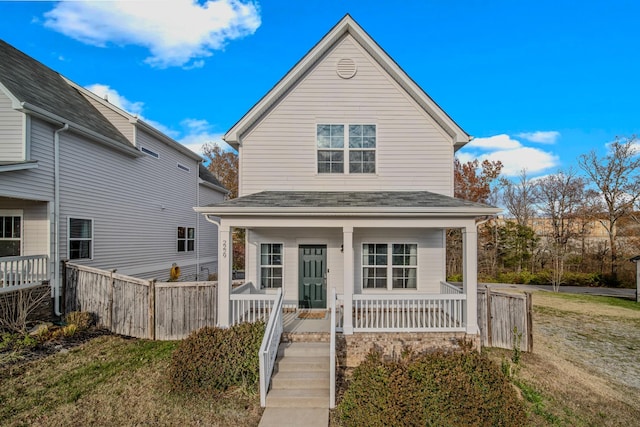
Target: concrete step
(302, 364)
(309, 398)
(300, 380)
(303, 349)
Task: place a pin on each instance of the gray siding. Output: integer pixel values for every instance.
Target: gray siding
(11, 133)
(35, 184)
(413, 153)
(208, 233)
(136, 204)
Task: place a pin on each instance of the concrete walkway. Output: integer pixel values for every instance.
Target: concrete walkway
(295, 417)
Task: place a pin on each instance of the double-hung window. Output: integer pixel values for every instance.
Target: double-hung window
(10, 232)
(270, 265)
(359, 152)
(186, 239)
(80, 238)
(389, 266)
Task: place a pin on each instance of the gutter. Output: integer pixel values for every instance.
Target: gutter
(56, 217)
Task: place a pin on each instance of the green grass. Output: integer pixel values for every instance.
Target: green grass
(537, 403)
(595, 299)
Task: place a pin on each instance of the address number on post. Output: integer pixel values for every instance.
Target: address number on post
(224, 248)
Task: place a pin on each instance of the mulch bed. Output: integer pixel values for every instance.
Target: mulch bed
(317, 315)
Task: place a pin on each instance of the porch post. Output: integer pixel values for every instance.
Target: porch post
(225, 253)
(347, 247)
(470, 276)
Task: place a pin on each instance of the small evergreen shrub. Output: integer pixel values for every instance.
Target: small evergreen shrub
(433, 389)
(212, 359)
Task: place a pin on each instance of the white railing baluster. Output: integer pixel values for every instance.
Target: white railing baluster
(19, 272)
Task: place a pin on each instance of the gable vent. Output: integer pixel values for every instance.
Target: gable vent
(346, 68)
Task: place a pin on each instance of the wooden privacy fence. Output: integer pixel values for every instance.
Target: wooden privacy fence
(505, 317)
(140, 308)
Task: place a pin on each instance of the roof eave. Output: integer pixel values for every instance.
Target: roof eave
(348, 211)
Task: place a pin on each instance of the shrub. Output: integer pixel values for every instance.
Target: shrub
(82, 320)
(433, 389)
(214, 359)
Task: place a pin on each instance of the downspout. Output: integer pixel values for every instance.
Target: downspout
(56, 218)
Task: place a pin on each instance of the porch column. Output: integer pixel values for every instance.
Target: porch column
(225, 253)
(347, 247)
(470, 276)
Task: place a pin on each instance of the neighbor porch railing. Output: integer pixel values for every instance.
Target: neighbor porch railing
(408, 312)
(249, 306)
(22, 271)
(448, 288)
(269, 348)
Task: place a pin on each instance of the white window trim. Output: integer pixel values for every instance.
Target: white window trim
(345, 149)
(389, 266)
(91, 240)
(186, 239)
(183, 168)
(14, 213)
(269, 266)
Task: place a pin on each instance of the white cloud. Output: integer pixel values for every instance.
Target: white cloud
(112, 95)
(176, 32)
(494, 142)
(513, 154)
(541, 137)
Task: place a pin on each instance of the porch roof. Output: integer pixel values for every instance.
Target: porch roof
(344, 202)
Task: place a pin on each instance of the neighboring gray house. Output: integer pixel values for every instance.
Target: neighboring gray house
(83, 180)
(346, 185)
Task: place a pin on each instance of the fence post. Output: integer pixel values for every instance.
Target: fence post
(152, 309)
(112, 284)
(529, 320)
(489, 316)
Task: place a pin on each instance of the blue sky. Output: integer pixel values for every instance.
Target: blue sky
(537, 83)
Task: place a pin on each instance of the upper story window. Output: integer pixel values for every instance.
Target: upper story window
(10, 232)
(359, 153)
(80, 238)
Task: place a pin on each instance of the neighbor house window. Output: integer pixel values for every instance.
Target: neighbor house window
(10, 232)
(359, 153)
(271, 265)
(80, 238)
(186, 239)
(389, 266)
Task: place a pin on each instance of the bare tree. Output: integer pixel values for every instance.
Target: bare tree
(559, 199)
(519, 198)
(617, 177)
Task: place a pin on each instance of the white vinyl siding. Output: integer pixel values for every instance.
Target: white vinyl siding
(12, 144)
(412, 152)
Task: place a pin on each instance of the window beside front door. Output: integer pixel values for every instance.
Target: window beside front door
(389, 265)
(80, 238)
(359, 153)
(270, 265)
(10, 235)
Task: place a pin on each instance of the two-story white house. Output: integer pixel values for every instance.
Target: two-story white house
(346, 184)
(83, 180)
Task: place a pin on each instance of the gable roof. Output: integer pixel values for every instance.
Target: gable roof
(205, 174)
(36, 88)
(347, 25)
(349, 202)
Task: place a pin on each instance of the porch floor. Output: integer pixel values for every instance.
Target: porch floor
(292, 323)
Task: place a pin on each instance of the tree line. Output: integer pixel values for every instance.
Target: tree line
(564, 228)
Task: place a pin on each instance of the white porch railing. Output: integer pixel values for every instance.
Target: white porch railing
(447, 288)
(18, 272)
(247, 306)
(332, 352)
(408, 312)
(269, 347)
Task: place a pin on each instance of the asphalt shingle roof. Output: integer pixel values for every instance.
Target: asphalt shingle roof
(348, 199)
(32, 82)
(206, 175)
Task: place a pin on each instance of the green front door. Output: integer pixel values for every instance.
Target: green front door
(312, 276)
